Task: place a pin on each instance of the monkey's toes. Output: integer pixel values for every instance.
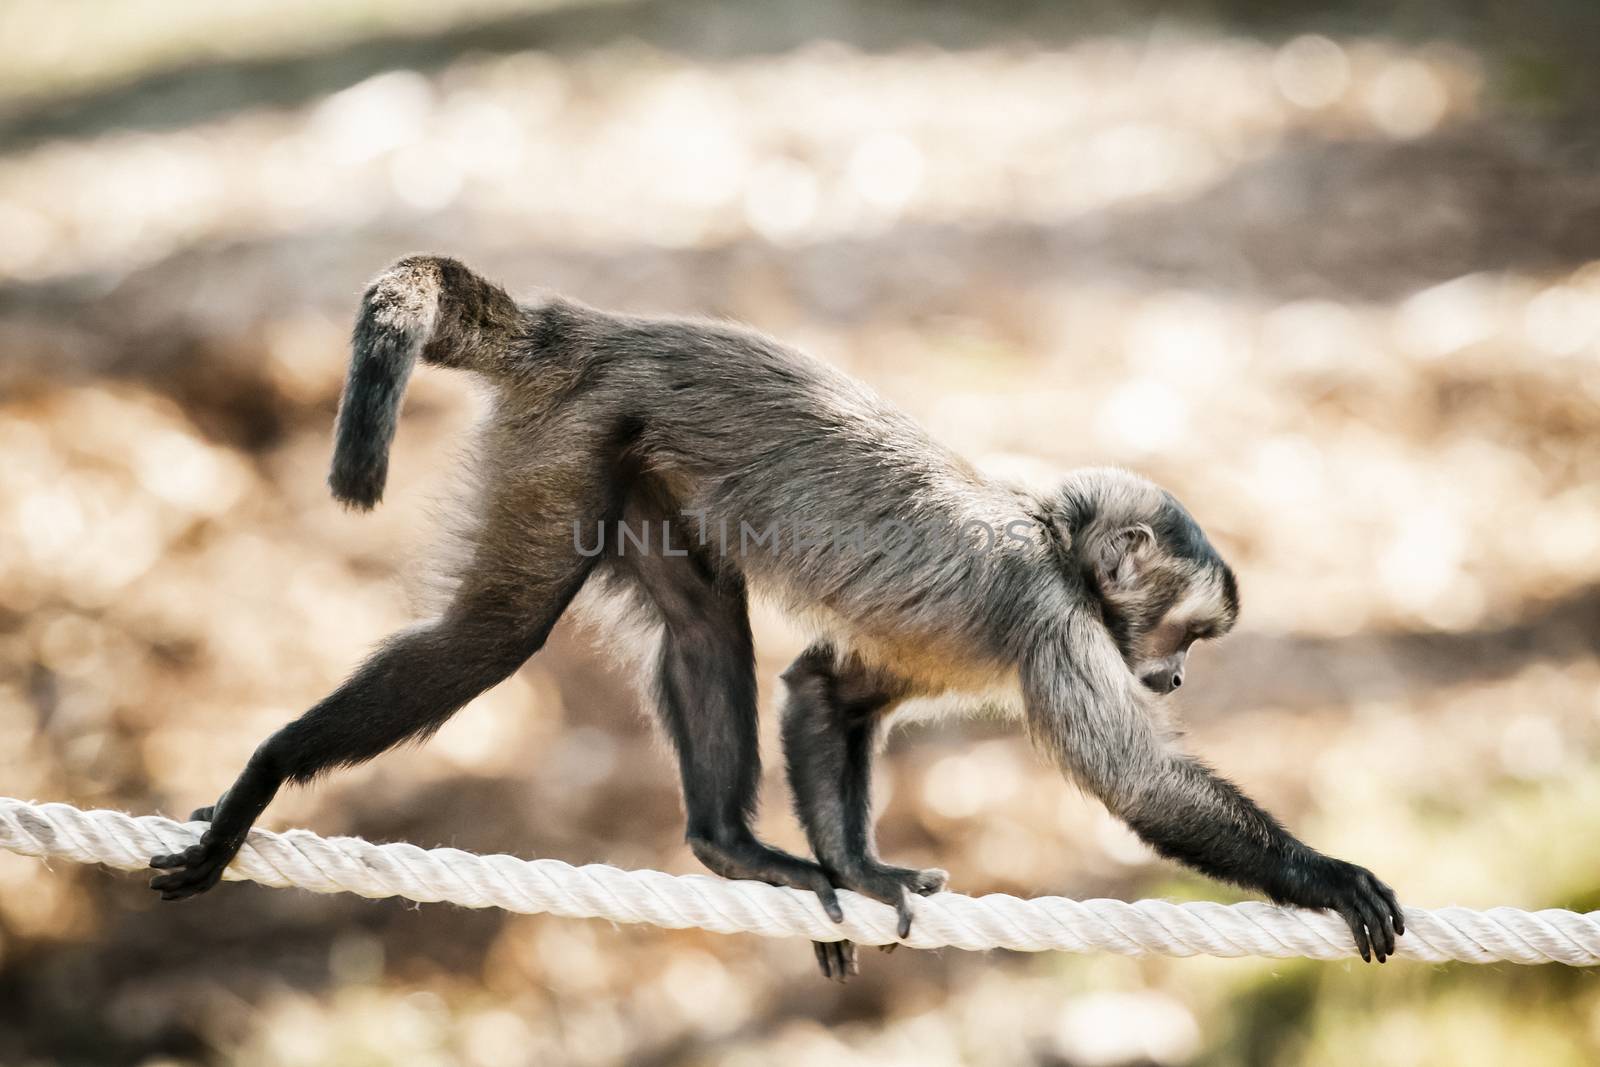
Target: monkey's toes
(202, 814)
(836, 959)
(828, 896)
(893, 886)
(194, 870)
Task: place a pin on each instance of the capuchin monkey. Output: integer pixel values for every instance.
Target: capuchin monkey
(725, 462)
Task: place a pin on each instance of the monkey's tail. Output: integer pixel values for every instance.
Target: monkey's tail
(427, 306)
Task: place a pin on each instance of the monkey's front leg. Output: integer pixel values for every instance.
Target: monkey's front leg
(829, 731)
(1088, 709)
(1188, 813)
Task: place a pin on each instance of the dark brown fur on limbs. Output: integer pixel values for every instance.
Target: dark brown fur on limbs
(670, 465)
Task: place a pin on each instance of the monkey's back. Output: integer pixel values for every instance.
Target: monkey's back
(753, 436)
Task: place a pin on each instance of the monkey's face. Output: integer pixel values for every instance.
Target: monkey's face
(1161, 655)
(1159, 599)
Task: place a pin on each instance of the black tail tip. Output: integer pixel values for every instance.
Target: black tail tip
(358, 490)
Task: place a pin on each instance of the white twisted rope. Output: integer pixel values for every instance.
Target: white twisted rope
(350, 865)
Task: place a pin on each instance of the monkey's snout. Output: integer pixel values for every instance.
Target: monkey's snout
(1163, 681)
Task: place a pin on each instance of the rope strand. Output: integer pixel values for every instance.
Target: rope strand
(350, 865)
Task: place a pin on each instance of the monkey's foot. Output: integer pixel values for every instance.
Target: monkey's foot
(195, 869)
(745, 857)
(891, 885)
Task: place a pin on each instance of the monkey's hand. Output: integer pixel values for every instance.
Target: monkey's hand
(198, 867)
(1367, 906)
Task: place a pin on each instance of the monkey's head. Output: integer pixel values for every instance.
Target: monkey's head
(1160, 584)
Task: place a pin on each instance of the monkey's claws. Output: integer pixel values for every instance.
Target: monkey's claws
(195, 869)
(1367, 906)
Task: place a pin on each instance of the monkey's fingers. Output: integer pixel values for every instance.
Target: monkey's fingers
(1358, 930)
(1379, 911)
(1367, 906)
(1397, 914)
(1386, 908)
(1378, 931)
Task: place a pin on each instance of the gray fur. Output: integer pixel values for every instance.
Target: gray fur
(598, 417)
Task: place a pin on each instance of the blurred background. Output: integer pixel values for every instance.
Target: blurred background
(1330, 271)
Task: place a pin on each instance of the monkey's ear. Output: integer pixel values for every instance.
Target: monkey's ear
(1122, 554)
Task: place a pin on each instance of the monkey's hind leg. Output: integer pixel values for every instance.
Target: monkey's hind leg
(706, 691)
(830, 728)
(502, 612)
